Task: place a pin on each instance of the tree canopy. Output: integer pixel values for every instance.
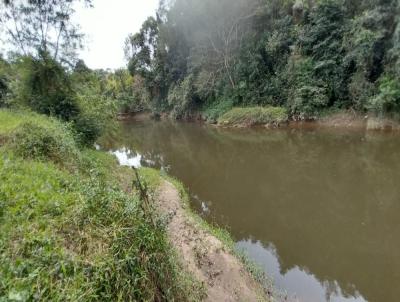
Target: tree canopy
(41, 26)
(307, 56)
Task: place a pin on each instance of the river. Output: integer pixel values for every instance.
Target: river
(317, 209)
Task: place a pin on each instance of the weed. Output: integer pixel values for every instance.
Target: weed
(251, 116)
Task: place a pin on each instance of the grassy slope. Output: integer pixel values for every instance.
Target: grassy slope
(251, 116)
(69, 231)
(10, 120)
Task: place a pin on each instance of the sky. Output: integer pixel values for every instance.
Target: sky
(106, 27)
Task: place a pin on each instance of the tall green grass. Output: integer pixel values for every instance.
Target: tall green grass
(251, 116)
(10, 120)
(75, 234)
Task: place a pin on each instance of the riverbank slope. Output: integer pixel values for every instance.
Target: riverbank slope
(277, 117)
(74, 227)
(208, 253)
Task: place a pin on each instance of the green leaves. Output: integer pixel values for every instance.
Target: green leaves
(45, 87)
(388, 97)
(32, 27)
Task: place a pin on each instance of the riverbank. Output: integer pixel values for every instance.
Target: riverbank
(75, 228)
(208, 253)
(275, 117)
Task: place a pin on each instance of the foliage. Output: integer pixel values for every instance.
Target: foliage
(4, 81)
(96, 117)
(307, 56)
(45, 87)
(32, 27)
(52, 142)
(388, 97)
(215, 110)
(254, 116)
(181, 98)
(125, 92)
(147, 61)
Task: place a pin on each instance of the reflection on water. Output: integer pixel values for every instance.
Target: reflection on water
(128, 158)
(319, 210)
(300, 282)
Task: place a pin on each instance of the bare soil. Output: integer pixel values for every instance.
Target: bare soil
(352, 120)
(223, 275)
(137, 117)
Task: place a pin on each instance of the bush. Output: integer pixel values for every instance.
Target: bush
(95, 117)
(388, 98)
(307, 94)
(215, 110)
(361, 90)
(52, 141)
(308, 102)
(88, 128)
(46, 88)
(4, 81)
(254, 116)
(181, 98)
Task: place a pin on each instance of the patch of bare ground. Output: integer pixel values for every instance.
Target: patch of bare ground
(136, 117)
(344, 120)
(223, 275)
(352, 120)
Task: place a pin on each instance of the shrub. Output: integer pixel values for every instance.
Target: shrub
(307, 94)
(181, 98)
(95, 117)
(4, 89)
(254, 116)
(388, 98)
(308, 102)
(361, 90)
(88, 128)
(52, 141)
(215, 110)
(45, 87)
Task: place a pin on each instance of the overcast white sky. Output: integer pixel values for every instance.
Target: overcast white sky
(107, 25)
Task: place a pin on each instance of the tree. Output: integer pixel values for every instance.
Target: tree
(41, 26)
(46, 87)
(305, 55)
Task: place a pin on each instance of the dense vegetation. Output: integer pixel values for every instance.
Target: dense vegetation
(306, 56)
(207, 57)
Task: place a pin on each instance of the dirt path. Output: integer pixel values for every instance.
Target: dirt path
(224, 276)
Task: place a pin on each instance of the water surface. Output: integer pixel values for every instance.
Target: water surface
(319, 210)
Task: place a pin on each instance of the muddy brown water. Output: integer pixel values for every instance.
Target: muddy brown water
(318, 210)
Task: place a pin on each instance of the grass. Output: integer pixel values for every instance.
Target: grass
(78, 234)
(251, 116)
(10, 120)
(215, 110)
(33, 136)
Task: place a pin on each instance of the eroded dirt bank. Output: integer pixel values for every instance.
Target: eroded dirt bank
(342, 120)
(223, 275)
